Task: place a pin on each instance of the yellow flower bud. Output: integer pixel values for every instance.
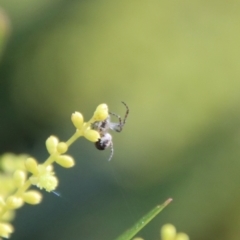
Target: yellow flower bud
(13, 202)
(168, 232)
(5, 230)
(8, 216)
(65, 161)
(91, 135)
(51, 144)
(32, 197)
(62, 147)
(182, 236)
(31, 165)
(2, 203)
(77, 119)
(19, 178)
(11, 162)
(49, 168)
(101, 113)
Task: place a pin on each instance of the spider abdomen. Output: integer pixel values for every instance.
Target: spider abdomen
(104, 142)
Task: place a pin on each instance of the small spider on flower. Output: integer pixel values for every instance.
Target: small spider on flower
(104, 126)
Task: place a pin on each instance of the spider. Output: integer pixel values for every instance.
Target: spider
(104, 126)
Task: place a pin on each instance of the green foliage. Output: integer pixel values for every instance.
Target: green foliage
(4, 30)
(129, 234)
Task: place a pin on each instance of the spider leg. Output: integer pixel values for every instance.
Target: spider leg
(111, 148)
(117, 127)
(119, 118)
(126, 114)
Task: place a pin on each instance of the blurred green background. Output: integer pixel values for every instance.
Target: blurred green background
(176, 64)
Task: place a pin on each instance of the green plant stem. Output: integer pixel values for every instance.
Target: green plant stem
(73, 138)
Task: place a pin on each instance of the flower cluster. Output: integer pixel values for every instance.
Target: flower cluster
(15, 193)
(9, 163)
(168, 232)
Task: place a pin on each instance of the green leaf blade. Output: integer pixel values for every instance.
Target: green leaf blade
(129, 234)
